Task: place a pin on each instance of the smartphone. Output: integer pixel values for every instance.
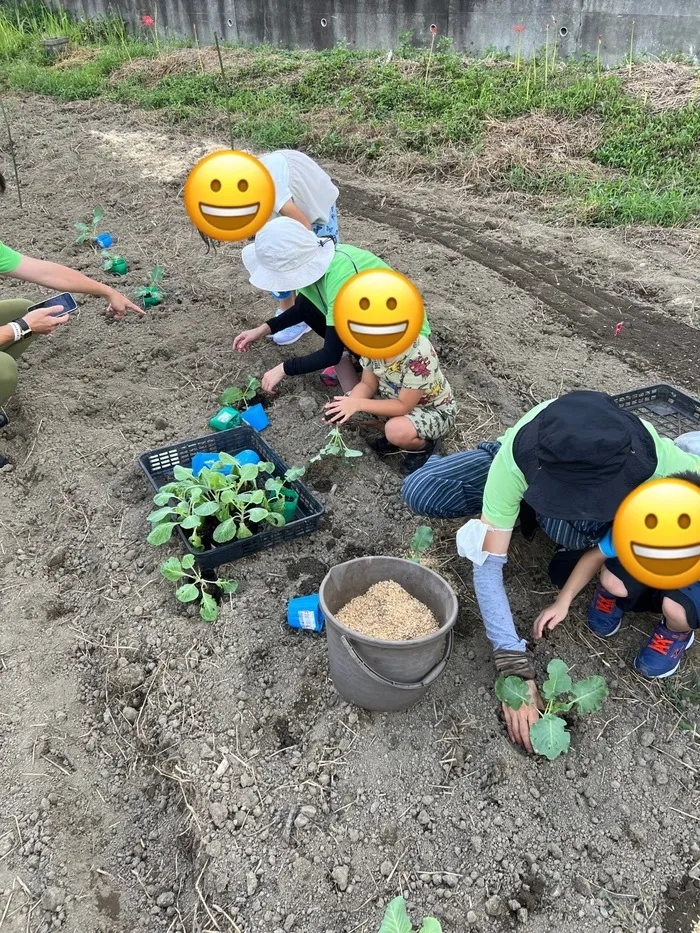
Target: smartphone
(65, 300)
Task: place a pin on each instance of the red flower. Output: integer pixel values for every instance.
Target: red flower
(148, 21)
(520, 28)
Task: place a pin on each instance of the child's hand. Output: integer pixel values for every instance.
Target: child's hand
(341, 409)
(549, 618)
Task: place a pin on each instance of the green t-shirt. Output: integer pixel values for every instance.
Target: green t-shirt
(347, 262)
(506, 484)
(9, 259)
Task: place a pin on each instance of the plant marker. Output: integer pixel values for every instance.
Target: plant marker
(618, 328)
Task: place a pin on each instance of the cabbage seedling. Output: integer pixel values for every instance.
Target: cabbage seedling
(152, 293)
(193, 587)
(420, 542)
(88, 232)
(233, 397)
(335, 446)
(276, 484)
(117, 265)
(396, 920)
(548, 735)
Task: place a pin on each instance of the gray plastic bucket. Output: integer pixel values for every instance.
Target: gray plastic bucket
(384, 675)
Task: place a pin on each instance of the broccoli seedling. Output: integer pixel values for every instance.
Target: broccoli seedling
(192, 585)
(548, 735)
(396, 920)
(89, 231)
(152, 293)
(420, 542)
(335, 446)
(233, 397)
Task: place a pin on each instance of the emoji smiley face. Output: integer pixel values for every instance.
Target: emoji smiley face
(378, 313)
(656, 534)
(229, 195)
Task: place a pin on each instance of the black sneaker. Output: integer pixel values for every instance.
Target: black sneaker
(414, 459)
(383, 447)
(3, 461)
(4, 420)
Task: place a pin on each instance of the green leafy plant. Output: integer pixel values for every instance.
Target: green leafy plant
(548, 735)
(275, 486)
(420, 542)
(193, 586)
(234, 397)
(115, 264)
(152, 293)
(335, 446)
(88, 232)
(396, 920)
(213, 507)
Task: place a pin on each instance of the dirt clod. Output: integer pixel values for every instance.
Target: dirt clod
(388, 612)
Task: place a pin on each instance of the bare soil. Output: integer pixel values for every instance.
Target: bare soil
(160, 774)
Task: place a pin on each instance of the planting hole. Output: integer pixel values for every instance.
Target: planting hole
(324, 21)
(563, 31)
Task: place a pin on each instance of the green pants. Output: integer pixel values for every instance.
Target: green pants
(10, 310)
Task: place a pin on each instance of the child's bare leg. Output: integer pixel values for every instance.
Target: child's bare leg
(402, 433)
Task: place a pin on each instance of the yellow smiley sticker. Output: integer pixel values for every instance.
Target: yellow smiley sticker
(656, 534)
(378, 313)
(229, 195)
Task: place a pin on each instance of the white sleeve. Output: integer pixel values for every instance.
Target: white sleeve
(277, 166)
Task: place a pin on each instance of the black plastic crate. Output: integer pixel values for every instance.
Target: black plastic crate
(671, 411)
(158, 465)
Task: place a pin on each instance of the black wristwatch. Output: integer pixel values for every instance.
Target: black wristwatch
(24, 327)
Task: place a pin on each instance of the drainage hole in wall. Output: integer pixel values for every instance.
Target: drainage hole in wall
(324, 21)
(230, 22)
(563, 31)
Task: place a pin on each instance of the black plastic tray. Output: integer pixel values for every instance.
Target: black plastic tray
(671, 411)
(158, 466)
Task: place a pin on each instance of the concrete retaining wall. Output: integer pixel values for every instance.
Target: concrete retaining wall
(653, 26)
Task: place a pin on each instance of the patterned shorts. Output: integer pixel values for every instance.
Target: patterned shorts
(330, 228)
(433, 423)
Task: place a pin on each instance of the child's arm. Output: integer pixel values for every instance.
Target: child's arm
(582, 574)
(291, 210)
(366, 387)
(344, 407)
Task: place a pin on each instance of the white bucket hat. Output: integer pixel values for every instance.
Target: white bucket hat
(689, 442)
(286, 256)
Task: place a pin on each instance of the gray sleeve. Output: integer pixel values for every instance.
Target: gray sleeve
(494, 606)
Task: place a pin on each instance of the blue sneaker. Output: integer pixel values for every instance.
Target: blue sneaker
(604, 615)
(663, 653)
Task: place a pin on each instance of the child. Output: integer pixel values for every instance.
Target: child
(617, 591)
(414, 397)
(304, 192)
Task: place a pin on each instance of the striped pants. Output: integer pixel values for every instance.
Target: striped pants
(453, 487)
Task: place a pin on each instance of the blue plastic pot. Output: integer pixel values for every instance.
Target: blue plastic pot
(247, 456)
(207, 461)
(256, 417)
(304, 612)
(104, 240)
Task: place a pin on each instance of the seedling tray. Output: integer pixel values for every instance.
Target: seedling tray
(671, 411)
(158, 465)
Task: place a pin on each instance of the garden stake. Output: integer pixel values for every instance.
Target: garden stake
(629, 69)
(433, 33)
(199, 50)
(226, 89)
(12, 152)
(546, 55)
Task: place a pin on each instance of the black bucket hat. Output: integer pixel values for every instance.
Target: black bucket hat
(581, 456)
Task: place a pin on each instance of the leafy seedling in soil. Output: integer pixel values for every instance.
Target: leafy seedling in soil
(548, 735)
(88, 232)
(117, 265)
(275, 485)
(396, 920)
(193, 587)
(212, 507)
(335, 446)
(420, 542)
(152, 293)
(233, 397)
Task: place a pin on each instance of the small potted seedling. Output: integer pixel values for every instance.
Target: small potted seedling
(282, 498)
(152, 293)
(420, 542)
(396, 920)
(335, 446)
(548, 735)
(117, 265)
(194, 588)
(87, 233)
(239, 400)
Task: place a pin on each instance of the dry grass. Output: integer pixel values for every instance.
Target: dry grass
(76, 56)
(663, 85)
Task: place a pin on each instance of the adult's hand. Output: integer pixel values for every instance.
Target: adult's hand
(243, 341)
(119, 305)
(518, 722)
(42, 322)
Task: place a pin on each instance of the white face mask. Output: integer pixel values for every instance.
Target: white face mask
(470, 541)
